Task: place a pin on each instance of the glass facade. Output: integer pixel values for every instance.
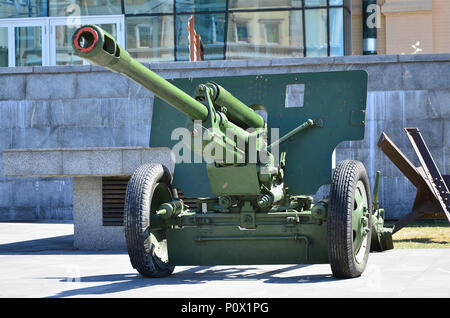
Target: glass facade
(84, 7)
(247, 29)
(156, 30)
(28, 45)
(23, 8)
(146, 40)
(210, 26)
(265, 34)
(183, 6)
(64, 54)
(336, 17)
(148, 7)
(3, 47)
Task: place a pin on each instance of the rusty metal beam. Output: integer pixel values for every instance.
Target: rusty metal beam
(400, 160)
(432, 187)
(434, 176)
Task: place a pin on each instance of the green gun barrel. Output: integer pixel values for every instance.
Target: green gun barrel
(236, 110)
(100, 48)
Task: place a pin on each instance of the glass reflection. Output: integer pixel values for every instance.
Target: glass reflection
(265, 35)
(336, 32)
(146, 6)
(28, 42)
(264, 4)
(23, 8)
(316, 32)
(315, 3)
(3, 47)
(210, 27)
(63, 44)
(150, 38)
(249, 35)
(200, 5)
(64, 52)
(85, 7)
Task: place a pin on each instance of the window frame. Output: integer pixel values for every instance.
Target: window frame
(49, 23)
(269, 22)
(48, 33)
(242, 23)
(138, 34)
(13, 23)
(119, 20)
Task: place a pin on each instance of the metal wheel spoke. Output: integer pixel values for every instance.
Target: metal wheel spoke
(358, 212)
(360, 241)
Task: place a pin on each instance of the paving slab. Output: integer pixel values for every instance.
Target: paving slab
(36, 261)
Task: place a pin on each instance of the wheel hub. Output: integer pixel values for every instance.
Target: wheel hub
(360, 222)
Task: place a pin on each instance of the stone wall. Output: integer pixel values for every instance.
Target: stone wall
(64, 107)
(86, 106)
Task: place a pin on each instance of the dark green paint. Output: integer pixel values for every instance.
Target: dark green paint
(267, 244)
(230, 180)
(338, 98)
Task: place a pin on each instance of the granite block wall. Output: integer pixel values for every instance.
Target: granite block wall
(87, 106)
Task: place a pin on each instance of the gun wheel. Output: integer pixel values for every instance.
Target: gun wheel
(148, 188)
(349, 220)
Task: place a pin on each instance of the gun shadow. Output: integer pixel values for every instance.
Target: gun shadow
(116, 283)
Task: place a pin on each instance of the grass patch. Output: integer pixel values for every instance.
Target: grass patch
(422, 234)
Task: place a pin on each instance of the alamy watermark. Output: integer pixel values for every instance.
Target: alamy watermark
(73, 275)
(373, 19)
(73, 12)
(199, 144)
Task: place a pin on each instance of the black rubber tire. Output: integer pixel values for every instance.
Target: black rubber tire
(138, 201)
(340, 219)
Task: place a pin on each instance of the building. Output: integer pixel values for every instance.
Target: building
(38, 32)
(406, 26)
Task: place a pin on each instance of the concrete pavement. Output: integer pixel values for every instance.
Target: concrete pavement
(38, 260)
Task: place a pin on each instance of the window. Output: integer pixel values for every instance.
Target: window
(316, 32)
(143, 33)
(263, 4)
(24, 42)
(210, 27)
(28, 45)
(3, 47)
(150, 38)
(315, 3)
(63, 46)
(241, 32)
(156, 30)
(336, 37)
(192, 6)
(84, 7)
(60, 51)
(146, 6)
(272, 32)
(23, 8)
(63, 42)
(47, 41)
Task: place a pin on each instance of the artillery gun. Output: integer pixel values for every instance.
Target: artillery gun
(249, 214)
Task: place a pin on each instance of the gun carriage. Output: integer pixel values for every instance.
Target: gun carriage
(258, 208)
